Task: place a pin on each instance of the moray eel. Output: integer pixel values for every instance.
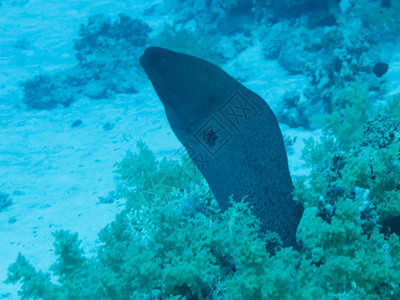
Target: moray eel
(230, 133)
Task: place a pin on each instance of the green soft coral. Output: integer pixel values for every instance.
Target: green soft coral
(347, 261)
(160, 246)
(359, 147)
(351, 191)
(379, 172)
(350, 111)
(171, 241)
(35, 285)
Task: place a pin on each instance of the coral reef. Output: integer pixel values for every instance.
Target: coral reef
(171, 240)
(293, 111)
(46, 92)
(107, 53)
(101, 36)
(382, 15)
(328, 56)
(161, 246)
(352, 192)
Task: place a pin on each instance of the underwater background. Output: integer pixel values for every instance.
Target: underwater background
(99, 200)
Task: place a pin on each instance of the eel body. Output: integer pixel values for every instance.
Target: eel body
(230, 133)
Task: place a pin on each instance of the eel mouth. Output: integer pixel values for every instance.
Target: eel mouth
(144, 61)
(152, 56)
(153, 62)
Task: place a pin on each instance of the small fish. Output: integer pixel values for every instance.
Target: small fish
(380, 69)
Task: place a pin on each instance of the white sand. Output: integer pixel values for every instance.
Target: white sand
(55, 173)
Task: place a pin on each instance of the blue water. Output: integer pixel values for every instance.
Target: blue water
(86, 144)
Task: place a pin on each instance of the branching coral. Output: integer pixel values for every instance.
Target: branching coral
(330, 56)
(383, 16)
(350, 107)
(107, 52)
(46, 92)
(157, 248)
(100, 36)
(345, 261)
(343, 239)
(162, 246)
